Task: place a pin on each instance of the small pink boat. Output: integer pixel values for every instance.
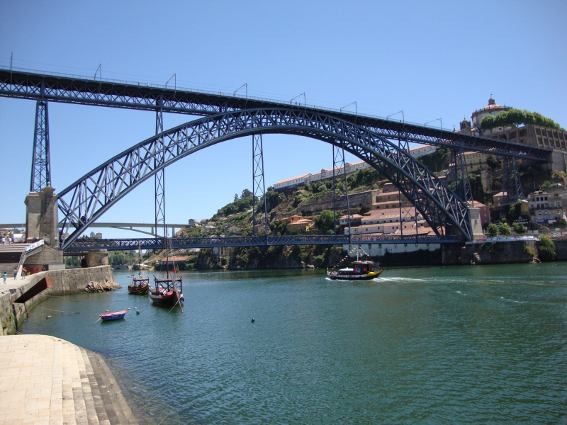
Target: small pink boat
(113, 315)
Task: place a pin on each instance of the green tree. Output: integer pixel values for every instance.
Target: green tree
(546, 249)
(519, 228)
(517, 117)
(504, 229)
(492, 229)
(514, 212)
(325, 222)
(546, 185)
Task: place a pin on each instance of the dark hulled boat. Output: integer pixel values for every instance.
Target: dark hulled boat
(139, 286)
(167, 292)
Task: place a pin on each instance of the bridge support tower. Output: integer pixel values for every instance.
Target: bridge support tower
(41, 224)
(476, 224)
(40, 172)
(41, 217)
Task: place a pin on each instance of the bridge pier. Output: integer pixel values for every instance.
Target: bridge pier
(41, 224)
(96, 258)
(41, 217)
(476, 224)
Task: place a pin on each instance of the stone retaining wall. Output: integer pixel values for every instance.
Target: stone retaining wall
(58, 282)
(489, 253)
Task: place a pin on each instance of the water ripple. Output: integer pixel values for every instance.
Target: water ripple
(437, 345)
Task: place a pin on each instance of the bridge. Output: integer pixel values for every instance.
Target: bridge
(84, 245)
(380, 142)
(145, 228)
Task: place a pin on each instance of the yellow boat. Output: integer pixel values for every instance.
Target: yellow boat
(360, 270)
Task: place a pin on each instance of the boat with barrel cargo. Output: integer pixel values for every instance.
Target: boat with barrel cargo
(108, 316)
(139, 286)
(167, 292)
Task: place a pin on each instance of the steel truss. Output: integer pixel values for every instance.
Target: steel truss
(461, 176)
(27, 85)
(81, 246)
(40, 170)
(159, 177)
(512, 181)
(258, 183)
(339, 172)
(89, 197)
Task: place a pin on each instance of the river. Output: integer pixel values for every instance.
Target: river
(479, 344)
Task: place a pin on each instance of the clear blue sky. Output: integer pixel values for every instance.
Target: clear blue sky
(436, 59)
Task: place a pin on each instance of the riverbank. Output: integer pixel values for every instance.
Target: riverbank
(47, 380)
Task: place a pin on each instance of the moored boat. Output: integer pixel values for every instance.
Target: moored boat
(139, 286)
(112, 315)
(167, 292)
(360, 270)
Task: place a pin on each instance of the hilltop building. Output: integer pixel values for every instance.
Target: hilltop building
(529, 134)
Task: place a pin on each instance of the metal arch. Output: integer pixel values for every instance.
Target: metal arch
(89, 197)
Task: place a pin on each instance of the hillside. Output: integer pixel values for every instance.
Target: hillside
(309, 209)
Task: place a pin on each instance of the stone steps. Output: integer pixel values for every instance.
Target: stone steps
(52, 382)
(112, 399)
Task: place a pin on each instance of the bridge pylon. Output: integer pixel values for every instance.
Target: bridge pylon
(159, 178)
(258, 183)
(340, 191)
(512, 180)
(41, 217)
(40, 170)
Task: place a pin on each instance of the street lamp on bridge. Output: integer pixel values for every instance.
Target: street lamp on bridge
(436, 119)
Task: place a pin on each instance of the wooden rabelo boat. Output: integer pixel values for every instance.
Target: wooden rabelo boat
(112, 315)
(139, 286)
(167, 292)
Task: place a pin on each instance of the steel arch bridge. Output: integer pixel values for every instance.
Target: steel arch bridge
(89, 197)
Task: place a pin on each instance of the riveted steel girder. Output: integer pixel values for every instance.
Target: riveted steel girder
(90, 196)
(55, 88)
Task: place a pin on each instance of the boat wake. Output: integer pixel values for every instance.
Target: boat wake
(512, 301)
(400, 279)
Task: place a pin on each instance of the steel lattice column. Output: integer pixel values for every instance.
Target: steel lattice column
(159, 179)
(258, 182)
(40, 172)
(405, 215)
(461, 176)
(512, 179)
(339, 167)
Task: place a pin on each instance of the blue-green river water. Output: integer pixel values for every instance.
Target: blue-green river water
(434, 345)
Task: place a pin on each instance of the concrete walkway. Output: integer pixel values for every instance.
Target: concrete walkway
(47, 380)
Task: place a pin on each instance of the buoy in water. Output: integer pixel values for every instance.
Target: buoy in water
(252, 320)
